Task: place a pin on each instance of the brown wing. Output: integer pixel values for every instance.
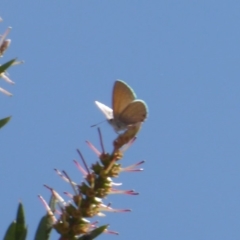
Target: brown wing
(123, 95)
(135, 112)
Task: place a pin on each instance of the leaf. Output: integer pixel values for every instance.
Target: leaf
(10, 233)
(17, 229)
(21, 230)
(6, 65)
(4, 121)
(93, 234)
(44, 228)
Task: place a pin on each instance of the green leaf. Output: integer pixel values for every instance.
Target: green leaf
(44, 228)
(4, 121)
(17, 229)
(10, 233)
(21, 230)
(6, 65)
(93, 234)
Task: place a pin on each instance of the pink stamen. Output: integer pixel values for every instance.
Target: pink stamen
(70, 181)
(5, 92)
(93, 148)
(63, 177)
(101, 140)
(109, 209)
(80, 168)
(3, 37)
(68, 194)
(56, 195)
(111, 232)
(84, 162)
(6, 78)
(128, 192)
(132, 168)
(49, 211)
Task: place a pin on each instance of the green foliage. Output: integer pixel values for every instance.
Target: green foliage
(93, 234)
(4, 121)
(17, 229)
(44, 228)
(6, 65)
(10, 233)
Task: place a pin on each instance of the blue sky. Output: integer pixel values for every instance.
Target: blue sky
(181, 57)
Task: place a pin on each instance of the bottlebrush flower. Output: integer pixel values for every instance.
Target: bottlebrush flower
(71, 218)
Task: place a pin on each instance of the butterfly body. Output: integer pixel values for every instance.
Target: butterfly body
(126, 109)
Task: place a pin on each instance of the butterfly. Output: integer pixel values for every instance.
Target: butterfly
(126, 109)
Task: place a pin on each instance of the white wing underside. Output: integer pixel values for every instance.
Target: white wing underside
(107, 111)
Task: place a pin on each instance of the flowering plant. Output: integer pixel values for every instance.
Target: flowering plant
(71, 219)
(4, 44)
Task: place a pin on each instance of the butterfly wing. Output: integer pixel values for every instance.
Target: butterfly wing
(126, 110)
(107, 111)
(122, 96)
(134, 113)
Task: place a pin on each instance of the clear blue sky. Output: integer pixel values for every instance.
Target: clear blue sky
(181, 57)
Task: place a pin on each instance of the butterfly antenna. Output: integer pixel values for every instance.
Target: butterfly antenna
(97, 123)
